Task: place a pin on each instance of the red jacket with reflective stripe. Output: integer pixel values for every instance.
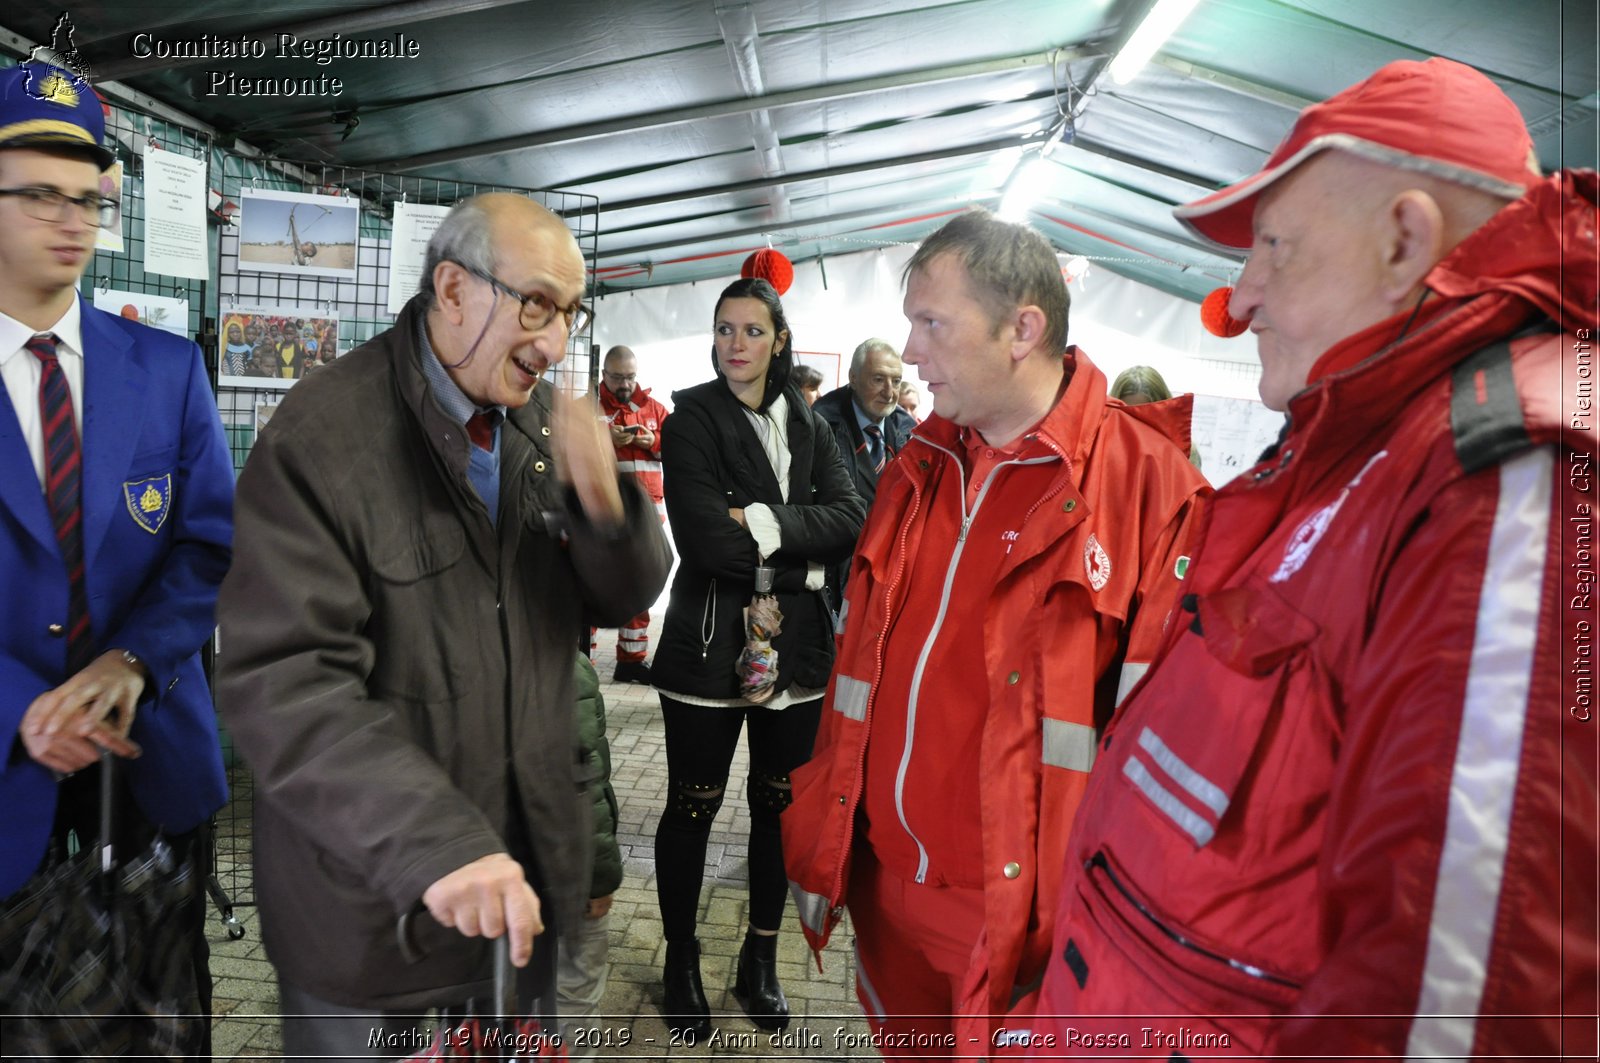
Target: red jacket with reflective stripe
(1088, 583)
(1350, 811)
(642, 463)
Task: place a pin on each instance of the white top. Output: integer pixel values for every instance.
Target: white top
(22, 371)
(772, 428)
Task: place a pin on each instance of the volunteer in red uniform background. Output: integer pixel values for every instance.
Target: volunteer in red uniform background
(636, 421)
(1017, 565)
(1350, 813)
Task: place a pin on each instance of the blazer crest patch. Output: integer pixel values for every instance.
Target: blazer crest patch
(149, 501)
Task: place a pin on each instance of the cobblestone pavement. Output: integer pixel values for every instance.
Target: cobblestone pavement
(827, 1022)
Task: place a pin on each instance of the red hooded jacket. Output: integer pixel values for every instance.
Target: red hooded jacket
(1077, 604)
(1350, 811)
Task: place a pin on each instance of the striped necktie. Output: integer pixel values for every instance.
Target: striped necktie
(875, 447)
(63, 492)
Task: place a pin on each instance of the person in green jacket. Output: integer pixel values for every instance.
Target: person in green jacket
(581, 968)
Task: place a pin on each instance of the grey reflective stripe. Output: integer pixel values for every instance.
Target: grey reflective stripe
(638, 466)
(850, 697)
(1131, 674)
(1488, 762)
(844, 611)
(1203, 789)
(869, 996)
(1168, 802)
(1068, 745)
(813, 908)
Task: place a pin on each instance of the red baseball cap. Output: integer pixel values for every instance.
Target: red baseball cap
(1437, 117)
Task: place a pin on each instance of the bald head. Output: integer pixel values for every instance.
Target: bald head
(475, 231)
(621, 372)
(500, 269)
(508, 213)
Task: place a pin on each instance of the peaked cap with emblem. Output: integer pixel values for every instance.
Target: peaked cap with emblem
(45, 106)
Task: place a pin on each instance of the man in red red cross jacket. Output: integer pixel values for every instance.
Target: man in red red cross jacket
(636, 421)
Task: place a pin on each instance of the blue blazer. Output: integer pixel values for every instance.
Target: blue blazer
(157, 540)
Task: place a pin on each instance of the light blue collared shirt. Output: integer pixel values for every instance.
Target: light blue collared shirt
(483, 466)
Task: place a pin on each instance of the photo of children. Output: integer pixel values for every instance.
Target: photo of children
(272, 347)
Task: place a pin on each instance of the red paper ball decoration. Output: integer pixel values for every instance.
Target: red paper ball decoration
(771, 266)
(1215, 317)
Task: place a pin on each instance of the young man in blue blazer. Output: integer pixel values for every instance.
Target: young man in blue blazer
(116, 495)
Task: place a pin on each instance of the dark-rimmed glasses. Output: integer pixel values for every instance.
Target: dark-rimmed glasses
(46, 204)
(538, 309)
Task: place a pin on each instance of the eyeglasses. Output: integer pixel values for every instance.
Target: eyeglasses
(538, 310)
(620, 378)
(46, 204)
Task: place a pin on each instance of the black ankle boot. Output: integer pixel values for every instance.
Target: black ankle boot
(683, 1005)
(757, 986)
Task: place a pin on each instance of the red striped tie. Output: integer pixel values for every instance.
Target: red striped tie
(875, 449)
(63, 467)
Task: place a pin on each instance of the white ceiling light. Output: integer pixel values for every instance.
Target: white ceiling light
(1024, 189)
(1030, 178)
(1148, 38)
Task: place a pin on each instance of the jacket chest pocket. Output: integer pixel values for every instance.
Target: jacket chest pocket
(423, 615)
(153, 459)
(414, 552)
(1251, 694)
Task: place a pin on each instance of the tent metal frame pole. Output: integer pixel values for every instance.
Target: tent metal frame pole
(727, 108)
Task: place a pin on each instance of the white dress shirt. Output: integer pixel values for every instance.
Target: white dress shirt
(22, 371)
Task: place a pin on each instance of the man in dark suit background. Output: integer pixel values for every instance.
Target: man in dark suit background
(868, 424)
(115, 525)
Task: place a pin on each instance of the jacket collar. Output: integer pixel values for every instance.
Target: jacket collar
(611, 404)
(523, 435)
(1067, 430)
(414, 387)
(113, 408)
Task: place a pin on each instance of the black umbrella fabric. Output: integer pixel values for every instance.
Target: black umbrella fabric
(93, 963)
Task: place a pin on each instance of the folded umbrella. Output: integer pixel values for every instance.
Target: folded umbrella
(93, 961)
(758, 662)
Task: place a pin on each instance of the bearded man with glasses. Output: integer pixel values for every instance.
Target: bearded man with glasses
(421, 532)
(635, 419)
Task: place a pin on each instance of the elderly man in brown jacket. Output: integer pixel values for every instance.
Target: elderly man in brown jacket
(422, 532)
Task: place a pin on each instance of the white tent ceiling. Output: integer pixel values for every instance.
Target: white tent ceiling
(708, 129)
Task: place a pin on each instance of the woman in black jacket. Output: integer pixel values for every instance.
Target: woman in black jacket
(751, 476)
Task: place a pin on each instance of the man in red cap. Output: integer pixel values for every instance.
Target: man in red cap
(1349, 812)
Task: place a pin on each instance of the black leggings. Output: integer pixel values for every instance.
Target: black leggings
(701, 741)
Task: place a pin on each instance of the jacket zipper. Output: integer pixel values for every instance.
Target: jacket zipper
(1098, 862)
(708, 619)
(933, 637)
